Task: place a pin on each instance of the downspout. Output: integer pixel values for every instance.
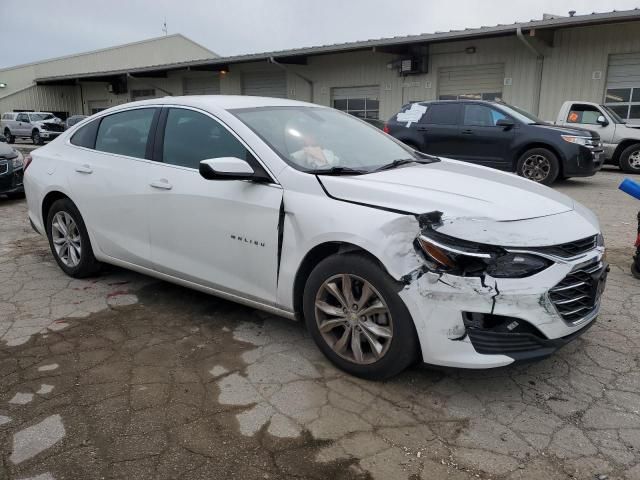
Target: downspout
(539, 67)
(150, 84)
(283, 67)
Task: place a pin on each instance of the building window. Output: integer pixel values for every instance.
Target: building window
(624, 101)
(491, 97)
(361, 106)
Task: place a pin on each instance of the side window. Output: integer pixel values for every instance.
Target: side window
(191, 137)
(481, 116)
(86, 136)
(125, 133)
(587, 114)
(442, 114)
(22, 117)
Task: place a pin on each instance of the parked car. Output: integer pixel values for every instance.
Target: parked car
(621, 140)
(11, 170)
(38, 126)
(72, 120)
(500, 136)
(303, 211)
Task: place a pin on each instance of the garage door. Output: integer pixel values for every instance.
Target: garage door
(265, 84)
(209, 85)
(476, 82)
(623, 85)
(363, 102)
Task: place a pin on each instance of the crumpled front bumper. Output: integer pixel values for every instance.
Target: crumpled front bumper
(441, 304)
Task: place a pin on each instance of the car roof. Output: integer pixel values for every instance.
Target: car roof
(225, 102)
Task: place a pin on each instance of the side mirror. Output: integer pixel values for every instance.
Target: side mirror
(226, 168)
(506, 123)
(602, 120)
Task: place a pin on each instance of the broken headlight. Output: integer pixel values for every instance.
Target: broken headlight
(460, 257)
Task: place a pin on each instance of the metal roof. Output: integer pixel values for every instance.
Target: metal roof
(549, 22)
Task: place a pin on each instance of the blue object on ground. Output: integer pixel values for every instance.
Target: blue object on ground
(630, 187)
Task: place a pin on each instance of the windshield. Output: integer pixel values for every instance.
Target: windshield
(614, 116)
(316, 139)
(519, 114)
(38, 117)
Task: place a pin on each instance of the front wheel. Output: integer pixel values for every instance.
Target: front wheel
(69, 240)
(356, 317)
(630, 159)
(36, 138)
(540, 165)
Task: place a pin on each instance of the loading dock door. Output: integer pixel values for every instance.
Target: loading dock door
(265, 84)
(209, 85)
(471, 82)
(623, 85)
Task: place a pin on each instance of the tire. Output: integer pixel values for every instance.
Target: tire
(397, 351)
(86, 264)
(630, 159)
(36, 138)
(539, 165)
(10, 138)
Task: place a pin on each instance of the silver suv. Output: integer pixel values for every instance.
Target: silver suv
(38, 126)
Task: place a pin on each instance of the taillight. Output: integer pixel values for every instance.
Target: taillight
(386, 128)
(27, 161)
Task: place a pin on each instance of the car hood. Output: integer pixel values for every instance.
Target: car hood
(477, 203)
(568, 130)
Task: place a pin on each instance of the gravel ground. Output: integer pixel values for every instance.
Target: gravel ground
(123, 376)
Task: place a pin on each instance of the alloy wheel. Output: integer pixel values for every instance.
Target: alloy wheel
(536, 168)
(634, 160)
(36, 138)
(353, 319)
(66, 239)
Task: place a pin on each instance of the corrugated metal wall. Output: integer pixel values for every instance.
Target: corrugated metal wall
(47, 99)
(577, 53)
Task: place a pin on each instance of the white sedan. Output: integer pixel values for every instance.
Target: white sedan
(390, 256)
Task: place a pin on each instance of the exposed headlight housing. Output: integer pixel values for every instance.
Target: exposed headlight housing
(580, 140)
(17, 161)
(465, 258)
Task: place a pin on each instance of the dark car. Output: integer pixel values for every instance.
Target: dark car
(500, 136)
(11, 171)
(72, 120)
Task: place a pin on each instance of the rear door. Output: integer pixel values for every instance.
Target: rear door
(219, 233)
(439, 129)
(108, 177)
(481, 140)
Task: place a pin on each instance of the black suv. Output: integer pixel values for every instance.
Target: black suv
(500, 136)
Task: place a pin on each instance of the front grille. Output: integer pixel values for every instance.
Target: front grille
(53, 127)
(570, 249)
(578, 294)
(4, 168)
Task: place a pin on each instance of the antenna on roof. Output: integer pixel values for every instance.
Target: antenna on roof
(164, 26)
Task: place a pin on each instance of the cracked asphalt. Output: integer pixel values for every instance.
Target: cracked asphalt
(123, 376)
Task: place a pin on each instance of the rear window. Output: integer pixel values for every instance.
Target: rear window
(125, 133)
(86, 136)
(442, 114)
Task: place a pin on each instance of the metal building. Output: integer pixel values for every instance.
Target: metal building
(535, 65)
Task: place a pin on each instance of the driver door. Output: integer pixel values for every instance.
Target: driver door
(222, 234)
(23, 126)
(586, 116)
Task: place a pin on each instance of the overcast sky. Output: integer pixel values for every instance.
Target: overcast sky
(33, 30)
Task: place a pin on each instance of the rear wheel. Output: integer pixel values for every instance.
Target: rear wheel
(630, 159)
(356, 317)
(540, 165)
(69, 240)
(7, 134)
(36, 138)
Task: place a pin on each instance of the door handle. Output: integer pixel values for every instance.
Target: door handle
(162, 184)
(84, 169)
(467, 132)
(422, 129)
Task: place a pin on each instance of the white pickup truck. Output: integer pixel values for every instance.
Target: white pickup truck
(621, 141)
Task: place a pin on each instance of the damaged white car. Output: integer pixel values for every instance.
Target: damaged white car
(390, 256)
